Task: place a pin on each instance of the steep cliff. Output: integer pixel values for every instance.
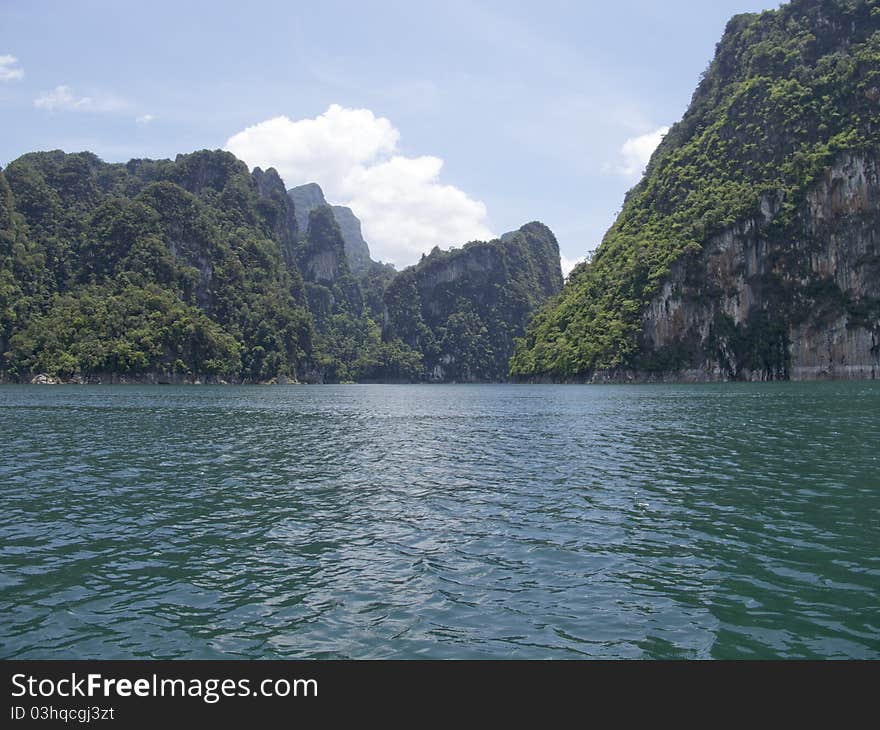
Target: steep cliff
(749, 249)
(275, 206)
(307, 198)
(462, 309)
(356, 248)
(321, 252)
(754, 305)
(172, 269)
(195, 270)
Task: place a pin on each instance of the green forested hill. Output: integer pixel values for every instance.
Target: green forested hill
(788, 92)
(347, 309)
(462, 309)
(163, 267)
(192, 269)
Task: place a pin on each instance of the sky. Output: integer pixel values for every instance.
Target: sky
(437, 122)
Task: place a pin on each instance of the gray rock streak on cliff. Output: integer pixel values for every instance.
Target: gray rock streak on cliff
(828, 267)
(310, 196)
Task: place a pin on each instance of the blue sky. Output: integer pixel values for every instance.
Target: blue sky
(451, 119)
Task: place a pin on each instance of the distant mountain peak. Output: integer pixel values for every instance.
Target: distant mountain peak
(310, 196)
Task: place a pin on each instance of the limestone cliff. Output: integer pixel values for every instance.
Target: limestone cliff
(322, 253)
(282, 215)
(749, 249)
(162, 270)
(307, 198)
(463, 308)
(356, 249)
(755, 304)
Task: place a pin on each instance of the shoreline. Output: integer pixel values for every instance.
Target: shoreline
(800, 374)
(626, 377)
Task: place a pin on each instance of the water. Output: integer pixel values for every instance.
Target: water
(440, 521)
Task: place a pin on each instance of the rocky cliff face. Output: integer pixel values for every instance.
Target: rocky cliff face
(322, 254)
(282, 214)
(165, 269)
(195, 270)
(463, 308)
(762, 304)
(307, 198)
(749, 248)
(356, 249)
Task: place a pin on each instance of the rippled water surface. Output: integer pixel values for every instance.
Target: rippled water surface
(440, 521)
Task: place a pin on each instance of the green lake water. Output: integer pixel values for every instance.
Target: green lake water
(709, 521)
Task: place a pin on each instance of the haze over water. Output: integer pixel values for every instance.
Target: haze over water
(720, 521)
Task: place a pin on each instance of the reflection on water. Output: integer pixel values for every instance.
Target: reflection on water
(440, 521)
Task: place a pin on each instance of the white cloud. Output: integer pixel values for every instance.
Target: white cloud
(568, 264)
(404, 208)
(9, 69)
(62, 98)
(324, 149)
(144, 119)
(636, 152)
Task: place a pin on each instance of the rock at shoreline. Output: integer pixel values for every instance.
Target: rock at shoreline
(43, 379)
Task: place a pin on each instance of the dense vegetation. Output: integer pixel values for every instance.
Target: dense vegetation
(347, 310)
(787, 91)
(163, 267)
(463, 309)
(196, 268)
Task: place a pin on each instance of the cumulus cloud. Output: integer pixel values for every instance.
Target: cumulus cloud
(9, 69)
(62, 98)
(568, 264)
(144, 119)
(636, 152)
(404, 207)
